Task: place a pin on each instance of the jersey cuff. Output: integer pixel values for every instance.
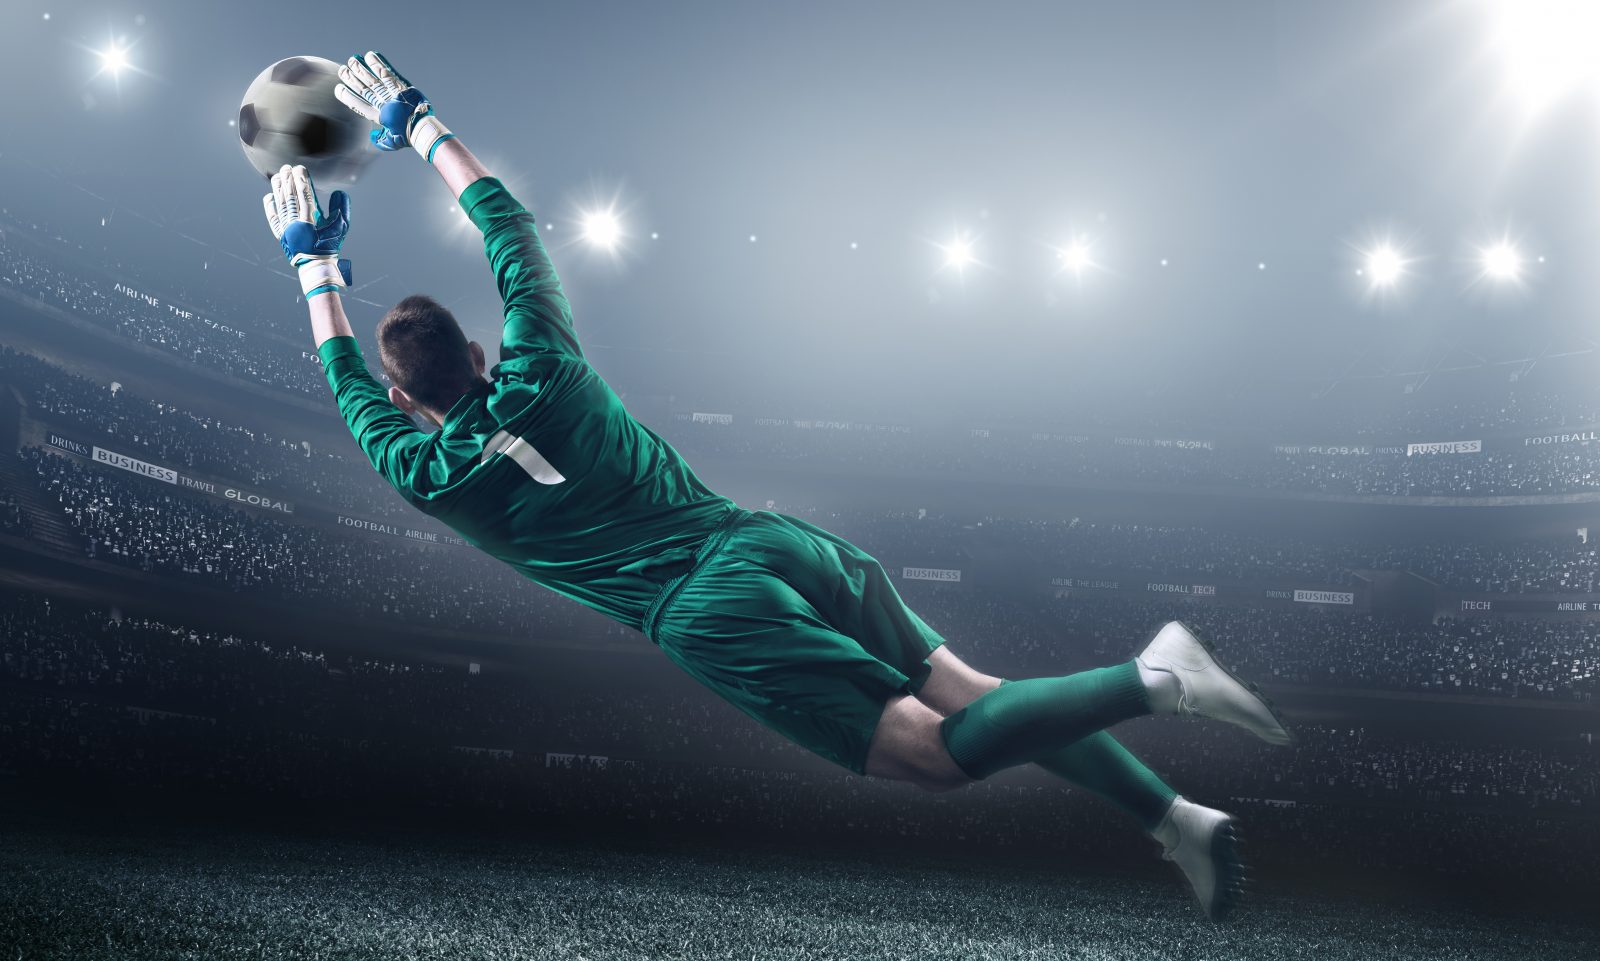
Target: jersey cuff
(335, 347)
(485, 200)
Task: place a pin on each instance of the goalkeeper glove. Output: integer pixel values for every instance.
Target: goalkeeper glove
(375, 90)
(310, 238)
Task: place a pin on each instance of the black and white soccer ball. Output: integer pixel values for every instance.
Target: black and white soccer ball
(290, 116)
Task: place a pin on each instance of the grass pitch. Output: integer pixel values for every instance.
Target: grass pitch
(397, 894)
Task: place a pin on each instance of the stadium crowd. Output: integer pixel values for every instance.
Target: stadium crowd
(100, 664)
(12, 518)
(1500, 657)
(1533, 565)
(211, 344)
(1106, 447)
(179, 438)
(127, 520)
(185, 440)
(340, 479)
(140, 708)
(124, 519)
(1462, 820)
(1528, 565)
(1099, 460)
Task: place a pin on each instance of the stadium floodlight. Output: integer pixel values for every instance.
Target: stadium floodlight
(601, 229)
(1384, 265)
(1547, 46)
(1502, 262)
(1075, 256)
(958, 253)
(113, 59)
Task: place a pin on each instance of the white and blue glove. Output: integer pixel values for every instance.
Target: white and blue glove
(375, 90)
(310, 238)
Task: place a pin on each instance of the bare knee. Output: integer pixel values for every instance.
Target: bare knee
(952, 684)
(908, 746)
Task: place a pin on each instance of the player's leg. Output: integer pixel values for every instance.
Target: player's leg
(1096, 763)
(1017, 723)
(1200, 840)
(906, 746)
(739, 624)
(778, 627)
(852, 592)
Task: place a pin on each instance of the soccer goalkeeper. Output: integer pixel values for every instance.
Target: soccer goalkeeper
(537, 463)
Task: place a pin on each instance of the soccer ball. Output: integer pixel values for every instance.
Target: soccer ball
(290, 116)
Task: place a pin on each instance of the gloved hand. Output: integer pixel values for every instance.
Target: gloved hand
(375, 90)
(310, 238)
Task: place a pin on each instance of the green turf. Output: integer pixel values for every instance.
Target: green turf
(176, 894)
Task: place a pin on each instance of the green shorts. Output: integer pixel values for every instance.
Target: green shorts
(798, 628)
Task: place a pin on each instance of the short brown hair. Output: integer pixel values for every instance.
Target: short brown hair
(424, 352)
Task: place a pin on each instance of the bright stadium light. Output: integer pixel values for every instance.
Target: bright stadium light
(1384, 265)
(1548, 46)
(958, 253)
(1075, 256)
(114, 59)
(1501, 262)
(601, 229)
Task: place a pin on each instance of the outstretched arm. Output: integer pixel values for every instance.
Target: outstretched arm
(373, 88)
(311, 239)
(538, 318)
(459, 168)
(327, 318)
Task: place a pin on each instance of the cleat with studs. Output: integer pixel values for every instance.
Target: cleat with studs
(1203, 844)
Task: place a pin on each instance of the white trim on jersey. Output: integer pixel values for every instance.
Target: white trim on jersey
(519, 450)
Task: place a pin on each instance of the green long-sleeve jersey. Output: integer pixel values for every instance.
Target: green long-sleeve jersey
(541, 466)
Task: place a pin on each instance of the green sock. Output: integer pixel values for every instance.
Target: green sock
(1100, 763)
(1033, 719)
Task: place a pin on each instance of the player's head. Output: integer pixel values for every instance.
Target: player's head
(428, 359)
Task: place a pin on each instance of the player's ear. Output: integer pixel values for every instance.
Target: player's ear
(476, 350)
(398, 398)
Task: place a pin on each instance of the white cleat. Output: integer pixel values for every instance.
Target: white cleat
(1202, 843)
(1208, 688)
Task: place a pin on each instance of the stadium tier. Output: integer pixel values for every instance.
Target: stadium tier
(132, 521)
(97, 700)
(92, 665)
(1524, 443)
(213, 342)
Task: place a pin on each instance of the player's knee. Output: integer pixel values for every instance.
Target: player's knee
(928, 767)
(908, 746)
(951, 685)
(931, 768)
